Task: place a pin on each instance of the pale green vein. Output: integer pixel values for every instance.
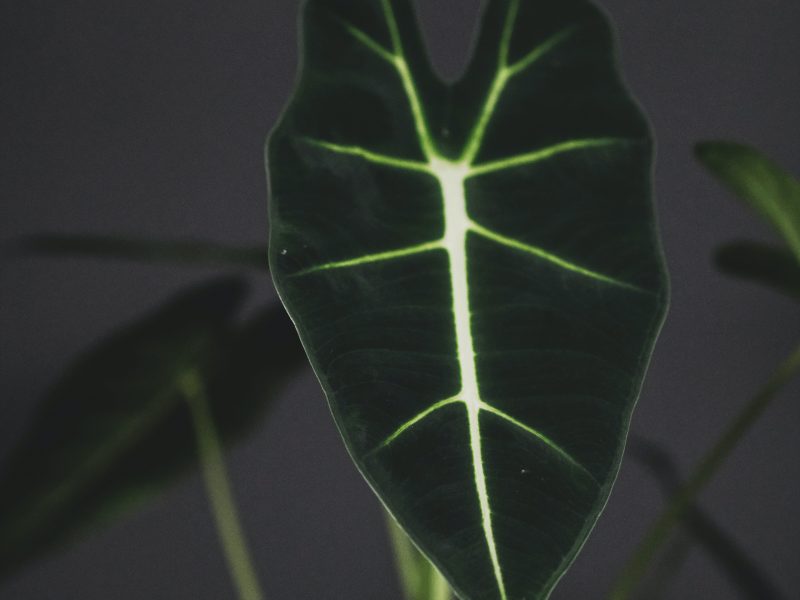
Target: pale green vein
(391, 23)
(504, 73)
(495, 90)
(538, 435)
(413, 421)
(401, 65)
(549, 257)
(484, 406)
(373, 157)
(506, 35)
(479, 131)
(397, 59)
(530, 158)
(369, 42)
(374, 258)
(538, 52)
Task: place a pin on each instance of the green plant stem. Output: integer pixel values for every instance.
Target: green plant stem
(218, 488)
(659, 532)
(743, 572)
(419, 578)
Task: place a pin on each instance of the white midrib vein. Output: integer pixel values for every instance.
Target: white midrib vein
(457, 227)
(452, 176)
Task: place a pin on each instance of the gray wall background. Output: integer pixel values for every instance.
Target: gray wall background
(149, 118)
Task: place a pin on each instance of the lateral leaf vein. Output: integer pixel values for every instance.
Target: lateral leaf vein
(537, 156)
(373, 258)
(553, 446)
(373, 157)
(369, 42)
(548, 256)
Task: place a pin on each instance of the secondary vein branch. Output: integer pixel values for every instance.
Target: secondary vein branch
(538, 52)
(369, 42)
(373, 157)
(505, 72)
(539, 436)
(416, 419)
(530, 158)
(374, 258)
(548, 256)
(400, 63)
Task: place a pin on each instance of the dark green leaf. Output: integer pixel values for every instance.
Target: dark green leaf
(474, 273)
(770, 265)
(193, 252)
(116, 429)
(757, 180)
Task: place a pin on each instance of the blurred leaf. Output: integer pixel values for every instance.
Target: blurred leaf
(773, 266)
(260, 358)
(682, 501)
(419, 578)
(733, 560)
(764, 185)
(194, 252)
(116, 429)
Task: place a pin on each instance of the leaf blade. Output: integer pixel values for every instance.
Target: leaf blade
(426, 228)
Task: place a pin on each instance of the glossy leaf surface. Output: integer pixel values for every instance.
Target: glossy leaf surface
(116, 429)
(760, 182)
(474, 274)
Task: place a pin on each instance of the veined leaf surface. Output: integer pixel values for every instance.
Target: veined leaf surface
(474, 273)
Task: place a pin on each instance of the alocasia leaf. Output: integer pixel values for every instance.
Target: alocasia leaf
(116, 429)
(474, 273)
(760, 182)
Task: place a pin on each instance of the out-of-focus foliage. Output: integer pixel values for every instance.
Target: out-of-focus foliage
(769, 265)
(733, 560)
(115, 430)
(761, 183)
(190, 252)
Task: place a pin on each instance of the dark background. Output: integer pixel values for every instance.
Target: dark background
(149, 118)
